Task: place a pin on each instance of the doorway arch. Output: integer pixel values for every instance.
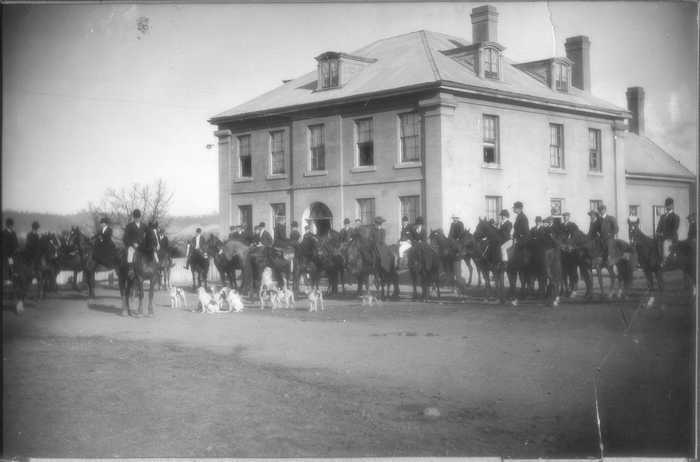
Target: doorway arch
(320, 216)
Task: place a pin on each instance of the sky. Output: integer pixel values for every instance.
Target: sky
(101, 96)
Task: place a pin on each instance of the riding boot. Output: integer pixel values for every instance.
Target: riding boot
(131, 271)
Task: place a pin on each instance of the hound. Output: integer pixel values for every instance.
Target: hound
(234, 301)
(177, 298)
(315, 297)
(268, 288)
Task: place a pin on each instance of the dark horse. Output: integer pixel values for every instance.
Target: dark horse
(330, 260)
(360, 259)
(488, 255)
(424, 265)
(199, 262)
(449, 251)
(649, 259)
(20, 277)
(230, 257)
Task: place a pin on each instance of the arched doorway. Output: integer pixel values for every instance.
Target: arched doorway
(320, 215)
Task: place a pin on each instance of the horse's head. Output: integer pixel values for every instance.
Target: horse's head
(436, 235)
(484, 229)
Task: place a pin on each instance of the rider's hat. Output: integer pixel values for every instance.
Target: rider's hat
(454, 215)
(668, 201)
(566, 214)
(295, 224)
(517, 205)
(198, 230)
(379, 220)
(357, 219)
(136, 213)
(104, 220)
(9, 222)
(404, 218)
(35, 225)
(419, 220)
(346, 221)
(261, 224)
(593, 212)
(538, 219)
(504, 213)
(602, 207)
(549, 220)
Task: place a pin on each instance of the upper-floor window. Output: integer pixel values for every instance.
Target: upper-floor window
(277, 152)
(491, 68)
(244, 157)
(556, 146)
(410, 137)
(561, 76)
(594, 159)
(365, 210)
(490, 143)
(494, 205)
(365, 143)
(317, 147)
(329, 70)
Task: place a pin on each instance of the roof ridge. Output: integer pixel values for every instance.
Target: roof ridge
(369, 45)
(663, 150)
(429, 54)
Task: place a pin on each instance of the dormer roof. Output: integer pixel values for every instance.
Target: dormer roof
(414, 61)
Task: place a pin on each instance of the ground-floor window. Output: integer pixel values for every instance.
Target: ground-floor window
(365, 208)
(279, 221)
(595, 203)
(494, 205)
(410, 207)
(658, 211)
(245, 216)
(556, 206)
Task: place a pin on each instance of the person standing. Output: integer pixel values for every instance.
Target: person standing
(134, 236)
(667, 230)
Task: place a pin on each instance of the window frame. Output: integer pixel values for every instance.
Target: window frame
(417, 126)
(491, 60)
(561, 164)
(497, 211)
(271, 156)
(275, 216)
(322, 147)
(554, 200)
(495, 144)
(239, 138)
(597, 150)
(656, 212)
(561, 77)
(593, 204)
(249, 221)
(403, 201)
(366, 200)
(358, 143)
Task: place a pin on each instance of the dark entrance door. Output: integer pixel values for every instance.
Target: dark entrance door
(322, 217)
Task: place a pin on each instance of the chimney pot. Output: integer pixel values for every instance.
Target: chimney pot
(635, 104)
(484, 24)
(578, 50)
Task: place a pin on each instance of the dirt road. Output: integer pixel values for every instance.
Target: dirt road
(400, 379)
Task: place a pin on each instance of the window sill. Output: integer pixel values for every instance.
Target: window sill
(558, 171)
(594, 173)
(491, 166)
(243, 179)
(364, 169)
(408, 165)
(276, 176)
(316, 173)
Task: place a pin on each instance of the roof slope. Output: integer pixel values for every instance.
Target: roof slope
(411, 60)
(644, 157)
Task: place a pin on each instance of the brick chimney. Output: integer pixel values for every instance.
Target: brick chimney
(578, 50)
(484, 24)
(635, 104)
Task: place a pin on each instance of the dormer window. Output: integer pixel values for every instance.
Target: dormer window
(491, 67)
(561, 76)
(335, 69)
(328, 73)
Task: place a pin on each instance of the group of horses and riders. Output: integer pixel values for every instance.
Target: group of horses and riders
(552, 255)
(144, 257)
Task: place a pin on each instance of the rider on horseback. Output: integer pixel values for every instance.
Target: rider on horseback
(417, 232)
(32, 245)
(346, 231)
(505, 230)
(521, 227)
(667, 230)
(103, 239)
(134, 235)
(10, 245)
(196, 244)
(607, 230)
(456, 229)
(294, 234)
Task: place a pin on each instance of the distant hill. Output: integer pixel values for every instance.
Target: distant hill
(179, 227)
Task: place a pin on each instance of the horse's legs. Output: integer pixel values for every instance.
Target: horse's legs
(151, 287)
(468, 263)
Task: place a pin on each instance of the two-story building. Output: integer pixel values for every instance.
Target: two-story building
(425, 124)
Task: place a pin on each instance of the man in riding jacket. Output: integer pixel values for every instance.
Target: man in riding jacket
(608, 231)
(262, 237)
(418, 233)
(405, 230)
(538, 226)
(506, 230)
(153, 229)
(632, 222)
(195, 244)
(521, 227)
(667, 230)
(32, 244)
(10, 245)
(294, 234)
(692, 227)
(134, 236)
(105, 245)
(569, 226)
(456, 229)
(345, 233)
(377, 233)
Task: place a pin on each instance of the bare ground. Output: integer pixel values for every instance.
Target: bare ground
(405, 378)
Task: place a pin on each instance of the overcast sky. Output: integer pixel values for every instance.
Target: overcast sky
(92, 101)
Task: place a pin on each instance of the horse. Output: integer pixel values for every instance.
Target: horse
(488, 255)
(230, 256)
(623, 259)
(449, 253)
(143, 268)
(360, 260)
(69, 258)
(649, 258)
(386, 270)
(280, 260)
(542, 259)
(20, 277)
(165, 261)
(47, 267)
(575, 259)
(91, 257)
(330, 260)
(424, 264)
(199, 262)
(683, 256)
